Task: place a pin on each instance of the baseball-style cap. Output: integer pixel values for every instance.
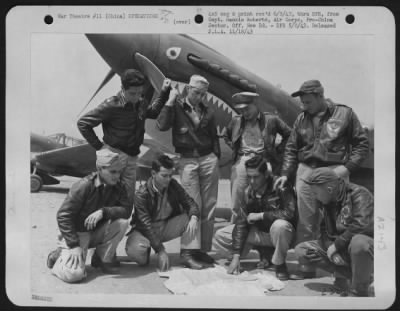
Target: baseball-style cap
(106, 158)
(309, 87)
(132, 77)
(242, 99)
(199, 82)
(320, 176)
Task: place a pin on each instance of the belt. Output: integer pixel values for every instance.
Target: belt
(315, 163)
(251, 153)
(195, 153)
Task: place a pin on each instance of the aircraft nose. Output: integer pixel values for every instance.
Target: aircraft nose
(118, 49)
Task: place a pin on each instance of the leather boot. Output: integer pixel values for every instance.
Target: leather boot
(281, 272)
(188, 260)
(106, 267)
(204, 257)
(96, 261)
(302, 275)
(341, 284)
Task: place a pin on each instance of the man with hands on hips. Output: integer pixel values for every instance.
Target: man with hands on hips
(94, 214)
(346, 245)
(164, 211)
(325, 134)
(123, 118)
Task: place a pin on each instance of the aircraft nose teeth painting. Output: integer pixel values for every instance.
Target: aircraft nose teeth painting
(172, 164)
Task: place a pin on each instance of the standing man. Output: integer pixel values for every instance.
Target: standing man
(248, 134)
(164, 211)
(266, 219)
(324, 135)
(194, 135)
(346, 246)
(94, 214)
(123, 119)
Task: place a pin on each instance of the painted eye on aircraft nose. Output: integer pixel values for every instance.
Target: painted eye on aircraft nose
(173, 53)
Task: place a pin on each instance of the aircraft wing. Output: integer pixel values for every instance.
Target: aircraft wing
(77, 161)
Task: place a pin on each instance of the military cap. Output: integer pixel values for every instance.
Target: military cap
(241, 100)
(199, 82)
(105, 158)
(132, 77)
(309, 87)
(321, 176)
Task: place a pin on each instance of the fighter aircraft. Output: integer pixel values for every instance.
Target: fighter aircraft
(41, 144)
(178, 57)
(59, 154)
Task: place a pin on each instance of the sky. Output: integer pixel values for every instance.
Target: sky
(66, 70)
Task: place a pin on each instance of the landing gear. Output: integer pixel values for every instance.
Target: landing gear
(36, 183)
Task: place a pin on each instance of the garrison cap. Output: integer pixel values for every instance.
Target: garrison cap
(132, 77)
(309, 87)
(199, 82)
(106, 158)
(241, 100)
(321, 176)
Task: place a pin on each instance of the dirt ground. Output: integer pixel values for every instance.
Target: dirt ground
(132, 278)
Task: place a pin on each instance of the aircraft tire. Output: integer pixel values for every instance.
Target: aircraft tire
(36, 183)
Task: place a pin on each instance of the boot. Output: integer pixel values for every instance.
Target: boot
(96, 261)
(188, 260)
(204, 257)
(341, 284)
(304, 272)
(106, 267)
(53, 256)
(281, 272)
(265, 257)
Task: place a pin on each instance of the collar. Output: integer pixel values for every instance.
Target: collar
(97, 181)
(122, 99)
(201, 104)
(329, 110)
(267, 190)
(342, 195)
(258, 119)
(153, 189)
(154, 186)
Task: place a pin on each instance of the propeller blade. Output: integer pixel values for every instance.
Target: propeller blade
(108, 77)
(151, 71)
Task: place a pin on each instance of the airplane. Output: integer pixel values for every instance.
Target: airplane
(44, 144)
(59, 154)
(178, 56)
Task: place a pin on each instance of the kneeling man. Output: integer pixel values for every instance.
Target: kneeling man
(94, 214)
(266, 220)
(346, 247)
(164, 211)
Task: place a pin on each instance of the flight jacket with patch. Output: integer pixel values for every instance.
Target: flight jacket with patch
(339, 139)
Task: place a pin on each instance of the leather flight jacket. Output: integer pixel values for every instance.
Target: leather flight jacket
(123, 123)
(146, 209)
(270, 126)
(339, 139)
(84, 198)
(274, 204)
(188, 140)
(352, 214)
